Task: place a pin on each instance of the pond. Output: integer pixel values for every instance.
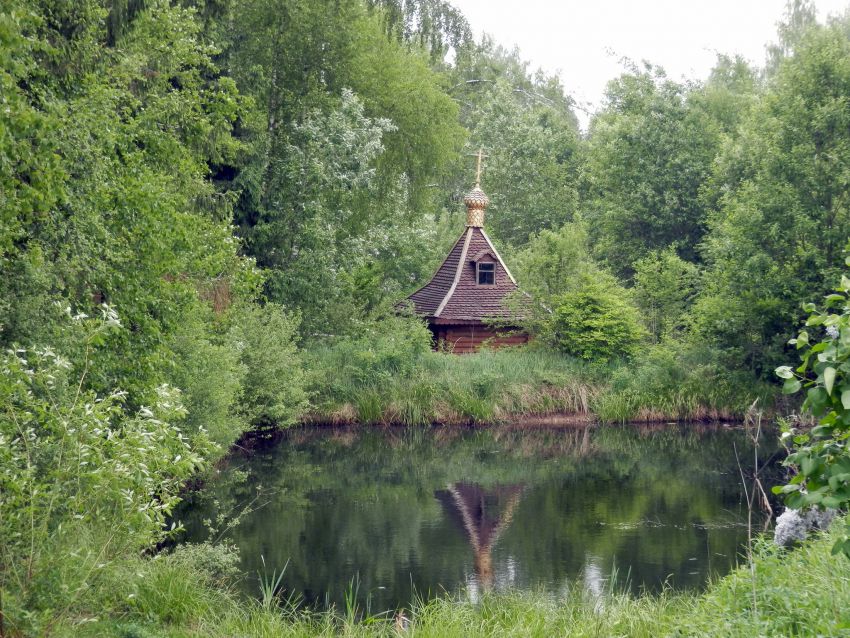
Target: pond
(402, 513)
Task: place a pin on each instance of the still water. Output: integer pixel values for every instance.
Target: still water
(425, 512)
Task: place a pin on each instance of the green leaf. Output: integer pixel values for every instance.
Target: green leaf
(829, 379)
(841, 547)
(784, 372)
(808, 466)
(845, 283)
(845, 399)
(791, 386)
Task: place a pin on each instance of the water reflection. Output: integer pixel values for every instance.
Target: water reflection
(483, 514)
(447, 510)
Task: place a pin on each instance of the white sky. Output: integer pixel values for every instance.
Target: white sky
(583, 40)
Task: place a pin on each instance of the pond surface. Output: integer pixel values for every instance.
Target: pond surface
(428, 512)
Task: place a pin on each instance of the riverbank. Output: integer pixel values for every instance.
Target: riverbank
(188, 594)
(349, 387)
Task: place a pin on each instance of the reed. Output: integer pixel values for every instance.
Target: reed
(514, 383)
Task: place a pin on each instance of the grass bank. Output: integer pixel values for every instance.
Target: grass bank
(351, 384)
(800, 593)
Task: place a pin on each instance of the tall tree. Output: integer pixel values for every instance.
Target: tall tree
(649, 153)
(433, 25)
(777, 238)
(349, 133)
(532, 166)
(124, 213)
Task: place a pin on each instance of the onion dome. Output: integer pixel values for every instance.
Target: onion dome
(476, 201)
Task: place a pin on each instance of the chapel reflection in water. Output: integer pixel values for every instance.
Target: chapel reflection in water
(483, 514)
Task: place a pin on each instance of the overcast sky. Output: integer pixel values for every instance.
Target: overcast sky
(583, 40)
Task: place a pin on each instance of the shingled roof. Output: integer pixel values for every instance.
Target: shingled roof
(454, 295)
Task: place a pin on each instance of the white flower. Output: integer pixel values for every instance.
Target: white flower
(790, 528)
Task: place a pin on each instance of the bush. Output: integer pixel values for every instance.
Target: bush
(379, 353)
(273, 387)
(821, 456)
(665, 285)
(596, 322)
(676, 380)
(211, 377)
(82, 482)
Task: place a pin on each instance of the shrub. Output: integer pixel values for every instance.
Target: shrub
(665, 285)
(596, 321)
(82, 481)
(210, 376)
(677, 380)
(821, 456)
(273, 387)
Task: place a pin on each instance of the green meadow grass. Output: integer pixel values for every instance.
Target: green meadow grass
(804, 592)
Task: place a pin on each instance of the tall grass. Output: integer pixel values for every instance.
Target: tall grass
(805, 592)
(443, 388)
(359, 385)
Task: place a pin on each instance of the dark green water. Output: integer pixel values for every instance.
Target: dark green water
(462, 511)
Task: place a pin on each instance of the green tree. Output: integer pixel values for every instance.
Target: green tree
(649, 152)
(433, 25)
(665, 286)
(782, 221)
(532, 163)
(555, 262)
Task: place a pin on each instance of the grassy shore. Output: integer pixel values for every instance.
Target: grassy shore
(804, 592)
(351, 386)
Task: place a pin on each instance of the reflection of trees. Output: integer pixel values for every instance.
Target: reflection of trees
(343, 503)
(483, 514)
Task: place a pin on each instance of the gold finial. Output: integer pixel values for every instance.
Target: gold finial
(476, 201)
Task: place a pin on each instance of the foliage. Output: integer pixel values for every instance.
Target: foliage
(820, 456)
(665, 285)
(136, 224)
(649, 153)
(305, 232)
(173, 159)
(272, 390)
(435, 25)
(554, 262)
(80, 477)
(678, 380)
(597, 321)
(210, 374)
(532, 162)
(778, 233)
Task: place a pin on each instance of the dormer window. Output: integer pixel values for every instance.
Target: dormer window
(486, 273)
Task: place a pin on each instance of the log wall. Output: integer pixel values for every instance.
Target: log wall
(469, 338)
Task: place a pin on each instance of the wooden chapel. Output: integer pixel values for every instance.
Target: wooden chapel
(468, 293)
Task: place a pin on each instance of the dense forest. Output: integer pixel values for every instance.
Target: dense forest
(209, 210)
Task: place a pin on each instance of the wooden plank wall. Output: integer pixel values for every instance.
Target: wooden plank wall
(468, 339)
